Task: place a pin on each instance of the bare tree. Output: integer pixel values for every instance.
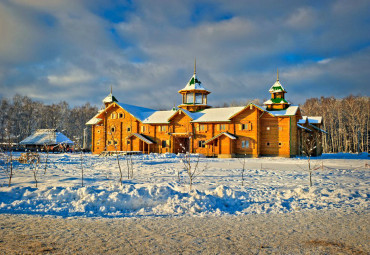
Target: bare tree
(46, 148)
(243, 162)
(8, 168)
(34, 160)
(308, 148)
(191, 165)
(130, 166)
(78, 147)
(111, 132)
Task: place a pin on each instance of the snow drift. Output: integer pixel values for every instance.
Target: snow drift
(132, 200)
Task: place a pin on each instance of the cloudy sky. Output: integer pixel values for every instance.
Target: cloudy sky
(53, 50)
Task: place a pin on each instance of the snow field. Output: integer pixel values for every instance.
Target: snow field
(272, 185)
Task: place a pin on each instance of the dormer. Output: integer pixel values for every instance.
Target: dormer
(277, 101)
(194, 95)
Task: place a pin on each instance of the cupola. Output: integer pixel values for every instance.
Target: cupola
(277, 101)
(109, 99)
(194, 95)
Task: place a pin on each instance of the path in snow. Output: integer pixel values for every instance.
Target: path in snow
(313, 232)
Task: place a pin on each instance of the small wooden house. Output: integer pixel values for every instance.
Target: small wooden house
(47, 139)
(274, 129)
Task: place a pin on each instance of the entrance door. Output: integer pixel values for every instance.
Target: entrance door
(181, 145)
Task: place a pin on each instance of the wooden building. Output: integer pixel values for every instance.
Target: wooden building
(51, 138)
(275, 129)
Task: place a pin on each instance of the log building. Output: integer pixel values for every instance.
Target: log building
(275, 129)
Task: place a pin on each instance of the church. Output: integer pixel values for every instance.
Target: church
(274, 129)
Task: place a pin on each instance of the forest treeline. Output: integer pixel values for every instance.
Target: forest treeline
(346, 120)
(21, 115)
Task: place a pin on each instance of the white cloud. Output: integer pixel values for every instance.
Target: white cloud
(75, 76)
(46, 46)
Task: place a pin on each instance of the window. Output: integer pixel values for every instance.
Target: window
(202, 127)
(190, 98)
(121, 115)
(164, 144)
(201, 144)
(267, 128)
(245, 144)
(128, 142)
(129, 129)
(109, 142)
(280, 144)
(222, 126)
(113, 115)
(97, 143)
(268, 144)
(143, 128)
(244, 126)
(113, 129)
(198, 98)
(162, 128)
(98, 131)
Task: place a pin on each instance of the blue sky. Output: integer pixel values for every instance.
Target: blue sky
(53, 50)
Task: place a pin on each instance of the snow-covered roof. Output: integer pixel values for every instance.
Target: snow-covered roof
(141, 137)
(109, 99)
(276, 101)
(233, 137)
(216, 114)
(46, 137)
(277, 87)
(300, 126)
(290, 111)
(311, 119)
(314, 119)
(319, 129)
(303, 120)
(194, 84)
(141, 113)
(94, 120)
(159, 117)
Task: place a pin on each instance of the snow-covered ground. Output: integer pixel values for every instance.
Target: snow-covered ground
(271, 185)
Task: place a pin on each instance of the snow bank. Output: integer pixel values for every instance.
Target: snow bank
(134, 200)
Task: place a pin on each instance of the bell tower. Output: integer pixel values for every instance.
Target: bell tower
(194, 95)
(277, 101)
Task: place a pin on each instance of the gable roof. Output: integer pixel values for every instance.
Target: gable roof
(142, 137)
(46, 137)
(231, 136)
(159, 117)
(94, 120)
(217, 114)
(141, 113)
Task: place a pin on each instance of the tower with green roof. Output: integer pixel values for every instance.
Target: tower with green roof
(277, 101)
(194, 95)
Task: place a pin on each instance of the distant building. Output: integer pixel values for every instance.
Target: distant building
(275, 129)
(51, 138)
